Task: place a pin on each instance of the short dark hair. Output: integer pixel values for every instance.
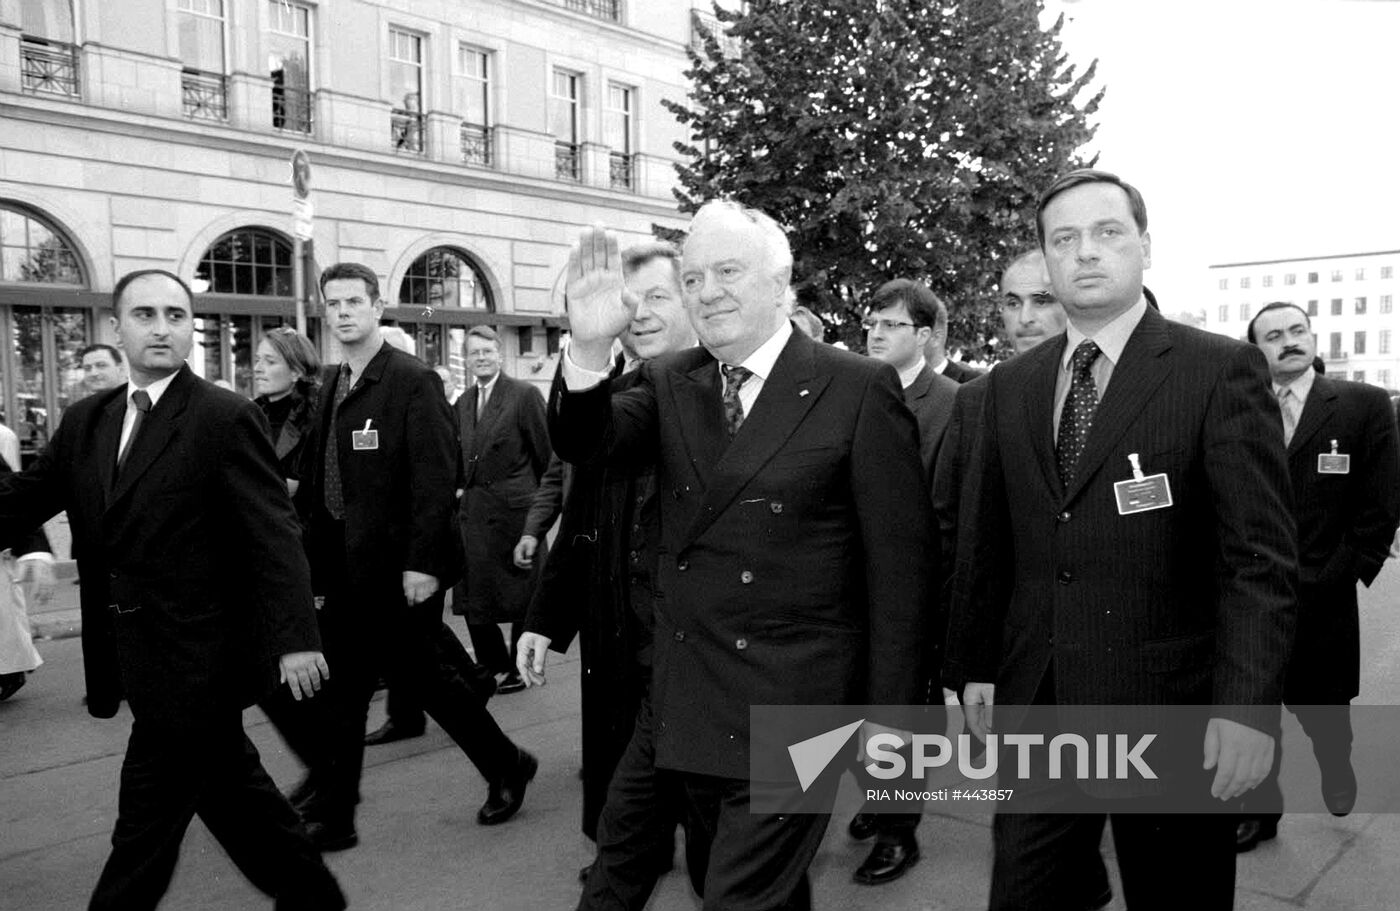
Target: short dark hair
(93, 349)
(125, 281)
(638, 255)
(1079, 178)
(338, 271)
(1273, 305)
(925, 309)
(486, 332)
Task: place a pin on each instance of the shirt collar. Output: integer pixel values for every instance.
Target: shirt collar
(761, 362)
(487, 389)
(1111, 339)
(907, 377)
(155, 390)
(941, 366)
(1301, 386)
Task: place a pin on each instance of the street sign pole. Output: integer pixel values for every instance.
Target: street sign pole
(302, 215)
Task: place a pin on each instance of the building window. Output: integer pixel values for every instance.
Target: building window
(1361, 305)
(1385, 303)
(551, 340)
(1335, 347)
(601, 9)
(1360, 274)
(1224, 313)
(203, 85)
(1244, 283)
(474, 101)
(1224, 284)
(564, 123)
(617, 127)
(1268, 281)
(1312, 308)
(1336, 275)
(1312, 278)
(1383, 342)
(1336, 306)
(1244, 311)
(1290, 279)
(406, 91)
(1387, 271)
(48, 57)
(1383, 378)
(247, 261)
(445, 278)
(33, 251)
(525, 339)
(1358, 376)
(1358, 343)
(289, 64)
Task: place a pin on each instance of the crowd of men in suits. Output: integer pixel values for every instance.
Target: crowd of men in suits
(747, 517)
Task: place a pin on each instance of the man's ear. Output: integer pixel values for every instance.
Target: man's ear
(1146, 250)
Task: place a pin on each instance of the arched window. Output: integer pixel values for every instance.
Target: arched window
(247, 261)
(445, 277)
(34, 251)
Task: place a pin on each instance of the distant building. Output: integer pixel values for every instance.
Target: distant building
(1350, 298)
(456, 149)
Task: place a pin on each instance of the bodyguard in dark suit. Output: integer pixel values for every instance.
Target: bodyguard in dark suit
(1064, 598)
(793, 565)
(196, 600)
(379, 491)
(505, 451)
(1344, 461)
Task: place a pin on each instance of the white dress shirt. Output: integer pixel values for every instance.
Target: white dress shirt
(1292, 407)
(1111, 339)
(483, 394)
(907, 377)
(155, 391)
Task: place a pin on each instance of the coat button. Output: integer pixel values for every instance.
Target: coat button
(741, 644)
(1063, 517)
(775, 507)
(680, 635)
(682, 565)
(635, 557)
(746, 577)
(641, 499)
(1065, 577)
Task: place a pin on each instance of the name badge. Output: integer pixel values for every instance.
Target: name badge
(1333, 462)
(1142, 493)
(365, 439)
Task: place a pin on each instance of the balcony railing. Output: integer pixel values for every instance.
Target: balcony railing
(406, 131)
(600, 9)
(476, 145)
(48, 67)
(204, 95)
(622, 171)
(566, 161)
(291, 109)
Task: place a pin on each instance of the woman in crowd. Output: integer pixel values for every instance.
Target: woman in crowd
(285, 375)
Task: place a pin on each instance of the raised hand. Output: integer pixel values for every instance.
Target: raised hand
(600, 307)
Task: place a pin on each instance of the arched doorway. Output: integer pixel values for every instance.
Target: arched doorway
(443, 293)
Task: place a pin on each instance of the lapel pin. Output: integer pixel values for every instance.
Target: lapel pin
(802, 392)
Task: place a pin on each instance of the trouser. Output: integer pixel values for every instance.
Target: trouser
(209, 768)
(737, 860)
(1329, 729)
(404, 712)
(491, 649)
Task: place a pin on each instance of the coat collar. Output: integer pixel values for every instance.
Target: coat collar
(1317, 409)
(922, 385)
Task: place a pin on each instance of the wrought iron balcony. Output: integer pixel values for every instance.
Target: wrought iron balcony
(204, 95)
(621, 171)
(599, 9)
(406, 131)
(566, 161)
(476, 145)
(291, 109)
(48, 67)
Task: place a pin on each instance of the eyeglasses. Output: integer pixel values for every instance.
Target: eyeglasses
(888, 325)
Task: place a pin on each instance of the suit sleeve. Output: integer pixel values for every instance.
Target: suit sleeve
(31, 497)
(947, 473)
(596, 427)
(1246, 471)
(548, 500)
(265, 525)
(1367, 543)
(432, 463)
(896, 529)
(534, 431)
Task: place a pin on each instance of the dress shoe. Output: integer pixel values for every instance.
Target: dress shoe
(1251, 831)
(863, 825)
(388, 732)
(332, 836)
(506, 795)
(889, 860)
(1339, 788)
(10, 684)
(510, 683)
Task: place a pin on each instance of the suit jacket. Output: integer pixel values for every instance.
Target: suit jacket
(194, 579)
(1192, 604)
(504, 455)
(960, 373)
(400, 496)
(930, 397)
(793, 563)
(955, 455)
(1346, 523)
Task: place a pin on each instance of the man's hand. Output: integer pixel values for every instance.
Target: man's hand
(978, 700)
(303, 672)
(39, 575)
(418, 587)
(1240, 755)
(529, 658)
(524, 554)
(600, 307)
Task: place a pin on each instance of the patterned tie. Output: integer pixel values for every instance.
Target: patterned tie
(1077, 416)
(734, 378)
(334, 495)
(1290, 420)
(142, 401)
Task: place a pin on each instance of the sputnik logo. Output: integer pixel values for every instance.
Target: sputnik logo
(811, 756)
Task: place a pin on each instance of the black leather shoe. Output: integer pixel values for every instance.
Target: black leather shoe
(863, 825)
(388, 732)
(1339, 788)
(510, 683)
(506, 795)
(10, 684)
(332, 836)
(1250, 832)
(888, 861)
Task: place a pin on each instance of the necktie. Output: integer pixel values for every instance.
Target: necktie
(734, 377)
(142, 400)
(480, 400)
(1077, 416)
(334, 495)
(1286, 398)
